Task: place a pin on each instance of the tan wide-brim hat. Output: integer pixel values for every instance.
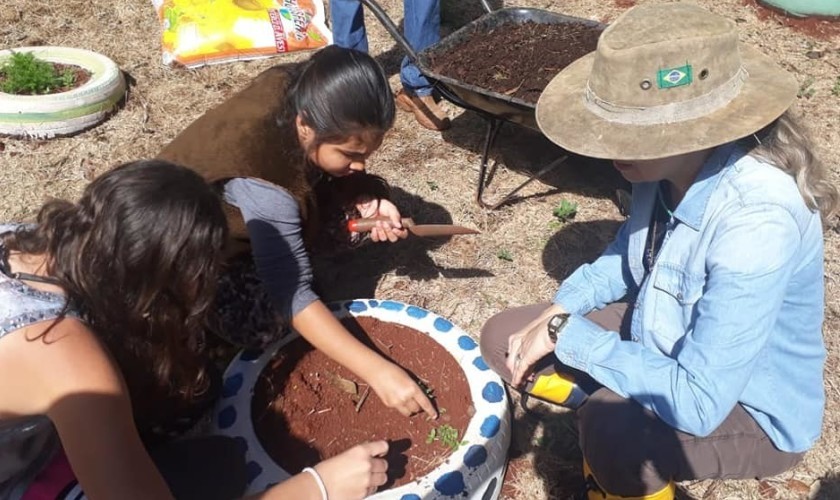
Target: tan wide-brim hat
(665, 79)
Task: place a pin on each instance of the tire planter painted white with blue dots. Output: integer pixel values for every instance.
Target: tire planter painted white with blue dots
(64, 113)
(474, 471)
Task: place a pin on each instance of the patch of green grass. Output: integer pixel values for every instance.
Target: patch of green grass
(835, 90)
(447, 435)
(26, 74)
(432, 185)
(806, 90)
(565, 211)
(505, 254)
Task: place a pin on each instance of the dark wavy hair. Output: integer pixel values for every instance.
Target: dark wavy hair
(138, 257)
(340, 93)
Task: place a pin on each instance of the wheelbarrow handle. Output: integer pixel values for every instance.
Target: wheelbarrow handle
(392, 29)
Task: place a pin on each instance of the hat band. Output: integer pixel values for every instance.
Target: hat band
(696, 107)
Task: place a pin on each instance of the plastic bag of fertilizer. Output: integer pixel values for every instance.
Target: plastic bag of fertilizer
(199, 32)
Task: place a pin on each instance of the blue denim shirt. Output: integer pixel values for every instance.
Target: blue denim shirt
(731, 312)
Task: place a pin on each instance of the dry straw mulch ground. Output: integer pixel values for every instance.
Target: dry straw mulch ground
(522, 253)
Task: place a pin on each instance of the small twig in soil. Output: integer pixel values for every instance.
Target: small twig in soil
(384, 345)
(436, 460)
(324, 410)
(514, 89)
(362, 399)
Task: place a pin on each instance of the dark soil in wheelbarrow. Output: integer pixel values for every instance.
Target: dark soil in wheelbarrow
(516, 59)
(308, 408)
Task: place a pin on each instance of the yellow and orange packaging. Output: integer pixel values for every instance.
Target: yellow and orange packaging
(200, 32)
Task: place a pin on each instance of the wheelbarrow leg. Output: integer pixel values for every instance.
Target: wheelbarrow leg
(484, 177)
(493, 126)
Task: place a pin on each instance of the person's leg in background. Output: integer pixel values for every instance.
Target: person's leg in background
(347, 19)
(421, 25)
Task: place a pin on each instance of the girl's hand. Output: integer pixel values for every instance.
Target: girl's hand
(384, 231)
(355, 473)
(528, 346)
(397, 390)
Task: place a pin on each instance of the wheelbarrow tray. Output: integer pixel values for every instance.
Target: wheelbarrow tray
(506, 107)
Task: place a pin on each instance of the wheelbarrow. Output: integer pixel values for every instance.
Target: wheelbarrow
(494, 107)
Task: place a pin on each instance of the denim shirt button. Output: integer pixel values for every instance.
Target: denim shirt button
(679, 296)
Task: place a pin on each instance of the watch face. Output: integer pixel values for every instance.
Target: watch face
(555, 322)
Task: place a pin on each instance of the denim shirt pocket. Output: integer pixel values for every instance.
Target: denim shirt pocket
(678, 294)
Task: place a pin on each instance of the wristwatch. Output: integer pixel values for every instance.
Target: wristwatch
(555, 324)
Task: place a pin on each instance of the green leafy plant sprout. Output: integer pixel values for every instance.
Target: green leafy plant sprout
(26, 74)
(447, 435)
(835, 90)
(565, 210)
(807, 88)
(505, 254)
(433, 186)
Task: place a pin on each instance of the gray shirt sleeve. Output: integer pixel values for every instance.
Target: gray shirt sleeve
(272, 217)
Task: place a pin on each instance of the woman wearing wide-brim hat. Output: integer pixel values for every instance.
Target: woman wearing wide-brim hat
(699, 327)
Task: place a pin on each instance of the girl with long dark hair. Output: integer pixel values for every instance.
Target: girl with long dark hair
(97, 295)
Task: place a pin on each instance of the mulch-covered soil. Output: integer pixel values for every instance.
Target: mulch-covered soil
(525, 57)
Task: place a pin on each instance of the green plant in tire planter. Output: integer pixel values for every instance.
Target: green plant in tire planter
(26, 74)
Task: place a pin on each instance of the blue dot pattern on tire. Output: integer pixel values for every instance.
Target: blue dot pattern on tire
(232, 385)
(451, 483)
(466, 343)
(480, 364)
(475, 456)
(490, 426)
(252, 469)
(227, 417)
(493, 392)
(471, 472)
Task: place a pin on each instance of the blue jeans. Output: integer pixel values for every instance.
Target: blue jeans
(421, 29)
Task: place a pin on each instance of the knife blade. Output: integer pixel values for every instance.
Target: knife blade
(365, 225)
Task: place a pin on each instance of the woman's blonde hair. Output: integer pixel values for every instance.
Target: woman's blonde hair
(785, 145)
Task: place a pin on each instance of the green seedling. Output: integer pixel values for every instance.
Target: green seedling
(26, 74)
(504, 254)
(807, 88)
(565, 211)
(835, 90)
(447, 435)
(432, 185)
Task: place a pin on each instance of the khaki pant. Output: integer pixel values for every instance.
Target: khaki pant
(630, 451)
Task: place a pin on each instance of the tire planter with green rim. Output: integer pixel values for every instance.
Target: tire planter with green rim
(474, 471)
(805, 8)
(63, 113)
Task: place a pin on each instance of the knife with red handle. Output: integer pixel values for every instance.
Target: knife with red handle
(365, 225)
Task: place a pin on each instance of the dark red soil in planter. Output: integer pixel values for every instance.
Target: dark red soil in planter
(516, 59)
(81, 76)
(302, 415)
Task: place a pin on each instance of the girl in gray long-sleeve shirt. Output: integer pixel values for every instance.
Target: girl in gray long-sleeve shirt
(288, 154)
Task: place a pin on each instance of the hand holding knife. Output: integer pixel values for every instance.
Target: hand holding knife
(365, 225)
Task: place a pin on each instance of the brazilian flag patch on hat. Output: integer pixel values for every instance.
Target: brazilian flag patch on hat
(674, 77)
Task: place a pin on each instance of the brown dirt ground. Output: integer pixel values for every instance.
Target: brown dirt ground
(435, 175)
